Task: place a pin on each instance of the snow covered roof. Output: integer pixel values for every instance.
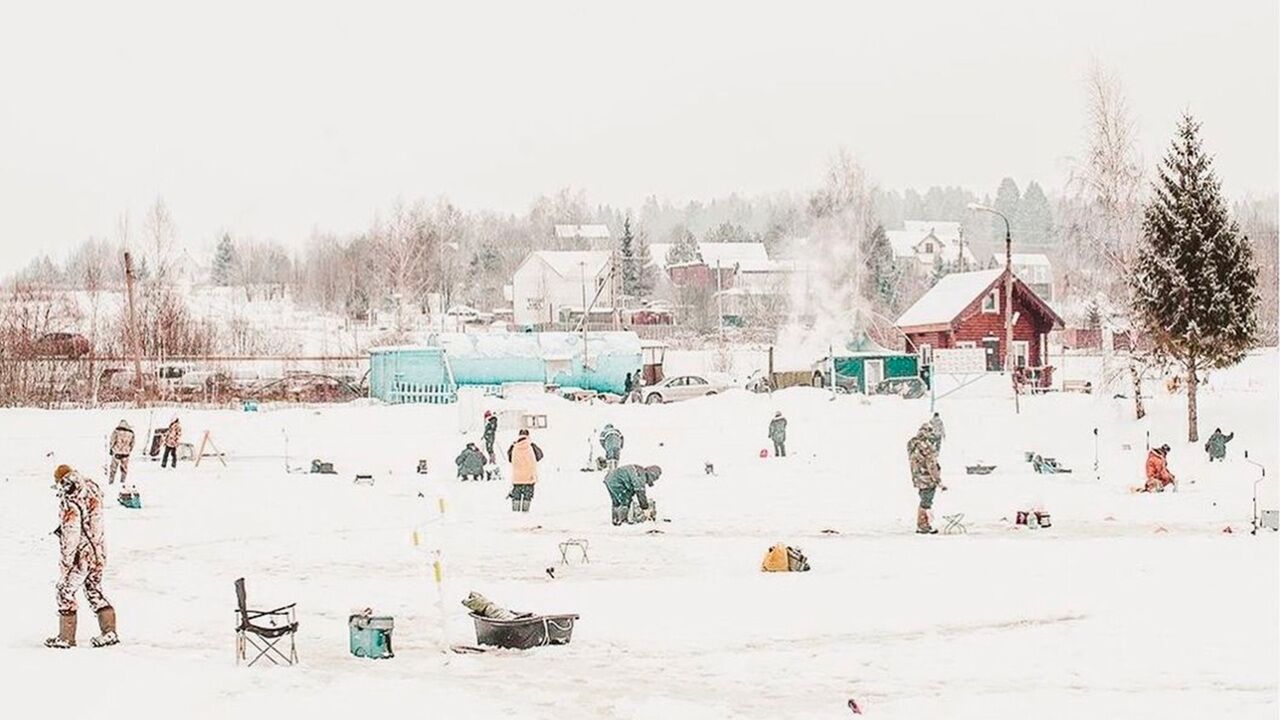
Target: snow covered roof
(593, 232)
(1024, 259)
(948, 298)
(571, 263)
(749, 257)
(903, 242)
(945, 230)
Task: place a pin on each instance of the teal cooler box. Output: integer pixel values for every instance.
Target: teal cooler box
(371, 636)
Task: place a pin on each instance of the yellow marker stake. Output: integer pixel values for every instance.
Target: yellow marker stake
(416, 539)
(441, 500)
(439, 571)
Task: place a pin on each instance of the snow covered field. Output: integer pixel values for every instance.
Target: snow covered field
(1130, 606)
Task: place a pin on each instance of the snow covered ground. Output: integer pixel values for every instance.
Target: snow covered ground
(1130, 606)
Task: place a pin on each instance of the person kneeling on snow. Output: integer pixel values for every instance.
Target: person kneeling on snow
(470, 463)
(1217, 444)
(628, 482)
(524, 457)
(926, 475)
(82, 558)
(1158, 475)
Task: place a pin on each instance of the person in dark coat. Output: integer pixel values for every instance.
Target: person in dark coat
(778, 434)
(470, 463)
(1217, 445)
(628, 482)
(490, 434)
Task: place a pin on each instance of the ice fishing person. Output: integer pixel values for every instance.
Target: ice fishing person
(490, 434)
(470, 463)
(172, 436)
(120, 447)
(1157, 470)
(1216, 446)
(82, 558)
(627, 483)
(926, 475)
(939, 432)
(778, 434)
(524, 457)
(611, 440)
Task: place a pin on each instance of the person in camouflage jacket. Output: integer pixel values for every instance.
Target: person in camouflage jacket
(82, 558)
(611, 440)
(172, 436)
(778, 434)
(627, 482)
(121, 448)
(1216, 446)
(926, 474)
(470, 463)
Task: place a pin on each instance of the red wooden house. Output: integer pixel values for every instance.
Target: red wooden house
(968, 310)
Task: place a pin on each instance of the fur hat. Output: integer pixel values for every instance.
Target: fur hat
(124, 424)
(652, 473)
(61, 471)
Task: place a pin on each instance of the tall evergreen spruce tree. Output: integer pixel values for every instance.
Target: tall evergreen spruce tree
(627, 258)
(1195, 282)
(224, 262)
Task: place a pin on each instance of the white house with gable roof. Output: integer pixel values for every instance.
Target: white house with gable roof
(549, 281)
(922, 243)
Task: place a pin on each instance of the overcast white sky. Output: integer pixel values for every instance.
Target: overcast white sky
(269, 119)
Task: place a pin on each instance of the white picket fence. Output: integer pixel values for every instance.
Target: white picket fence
(403, 392)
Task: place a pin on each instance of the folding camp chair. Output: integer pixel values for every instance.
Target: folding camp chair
(264, 638)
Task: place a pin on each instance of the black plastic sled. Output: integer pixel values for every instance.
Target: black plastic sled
(524, 632)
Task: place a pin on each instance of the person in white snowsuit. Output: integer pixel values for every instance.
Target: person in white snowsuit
(82, 558)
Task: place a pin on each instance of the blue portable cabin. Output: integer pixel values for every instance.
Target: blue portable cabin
(411, 374)
(432, 373)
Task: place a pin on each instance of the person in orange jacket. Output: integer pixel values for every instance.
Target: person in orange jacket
(1158, 475)
(524, 457)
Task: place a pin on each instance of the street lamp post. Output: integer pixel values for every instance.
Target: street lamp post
(1008, 290)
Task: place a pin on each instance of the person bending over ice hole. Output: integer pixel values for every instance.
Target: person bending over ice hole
(1158, 475)
(626, 483)
(470, 463)
(926, 475)
(524, 457)
(82, 558)
(1217, 445)
(778, 434)
(172, 436)
(120, 449)
(611, 440)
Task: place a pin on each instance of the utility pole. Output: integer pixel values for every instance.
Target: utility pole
(582, 273)
(1008, 299)
(133, 328)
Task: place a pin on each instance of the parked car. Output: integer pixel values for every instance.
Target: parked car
(683, 387)
(468, 315)
(61, 344)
